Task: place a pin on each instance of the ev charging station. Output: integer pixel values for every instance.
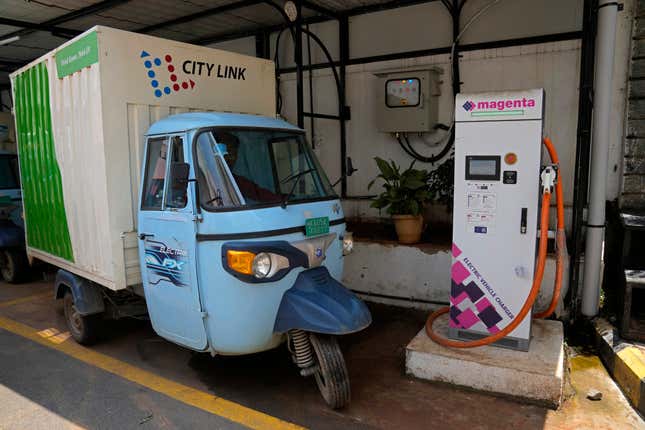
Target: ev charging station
(498, 141)
(502, 195)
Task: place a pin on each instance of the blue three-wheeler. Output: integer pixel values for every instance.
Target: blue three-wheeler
(240, 228)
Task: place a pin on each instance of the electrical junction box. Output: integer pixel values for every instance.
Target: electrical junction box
(498, 139)
(407, 101)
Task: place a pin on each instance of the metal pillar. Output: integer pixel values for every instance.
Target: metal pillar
(605, 46)
(298, 61)
(583, 146)
(455, 12)
(262, 45)
(343, 38)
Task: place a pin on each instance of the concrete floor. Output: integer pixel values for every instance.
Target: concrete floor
(52, 383)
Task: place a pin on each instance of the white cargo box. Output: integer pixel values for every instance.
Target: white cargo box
(82, 111)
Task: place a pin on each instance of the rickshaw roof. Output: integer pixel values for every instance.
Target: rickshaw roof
(194, 120)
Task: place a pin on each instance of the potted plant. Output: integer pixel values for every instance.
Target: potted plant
(441, 187)
(405, 193)
(441, 183)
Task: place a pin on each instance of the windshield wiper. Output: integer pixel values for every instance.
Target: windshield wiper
(297, 177)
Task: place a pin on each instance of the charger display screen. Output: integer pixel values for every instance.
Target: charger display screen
(483, 167)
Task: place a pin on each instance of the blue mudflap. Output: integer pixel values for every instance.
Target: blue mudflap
(87, 295)
(320, 304)
(11, 236)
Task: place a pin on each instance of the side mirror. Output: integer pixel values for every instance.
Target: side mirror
(179, 175)
(349, 166)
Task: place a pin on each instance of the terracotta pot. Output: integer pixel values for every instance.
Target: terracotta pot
(408, 227)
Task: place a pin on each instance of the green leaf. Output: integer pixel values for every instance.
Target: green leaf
(395, 168)
(413, 183)
(384, 167)
(414, 207)
(422, 195)
(379, 203)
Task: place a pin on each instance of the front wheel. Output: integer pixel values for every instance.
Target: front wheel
(13, 265)
(331, 376)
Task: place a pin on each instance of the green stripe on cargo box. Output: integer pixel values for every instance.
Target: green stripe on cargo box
(82, 53)
(42, 189)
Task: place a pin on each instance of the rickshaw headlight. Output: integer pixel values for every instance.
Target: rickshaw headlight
(348, 243)
(241, 261)
(261, 265)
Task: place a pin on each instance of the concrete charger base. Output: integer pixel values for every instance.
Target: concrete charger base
(536, 376)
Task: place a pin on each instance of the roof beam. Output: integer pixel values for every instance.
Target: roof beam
(85, 11)
(377, 7)
(215, 38)
(393, 4)
(75, 14)
(320, 9)
(33, 26)
(10, 62)
(193, 16)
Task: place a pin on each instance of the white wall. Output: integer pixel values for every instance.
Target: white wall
(554, 66)
(244, 46)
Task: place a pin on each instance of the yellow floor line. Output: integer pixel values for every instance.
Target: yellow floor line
(216, 405)
(26, 299)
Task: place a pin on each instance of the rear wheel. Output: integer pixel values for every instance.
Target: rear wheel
(83, 328)
(13, 265)
(331, 376)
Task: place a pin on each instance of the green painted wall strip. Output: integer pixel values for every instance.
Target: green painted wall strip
(42, 187)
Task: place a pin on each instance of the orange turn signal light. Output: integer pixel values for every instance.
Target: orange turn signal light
(240, 261)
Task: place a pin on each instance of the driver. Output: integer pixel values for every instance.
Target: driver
(249, 189)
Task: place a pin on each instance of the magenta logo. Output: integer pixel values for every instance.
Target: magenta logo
(499, 105)
(468, 106)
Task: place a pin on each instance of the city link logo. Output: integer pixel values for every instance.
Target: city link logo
(156, 68)
(498, 107)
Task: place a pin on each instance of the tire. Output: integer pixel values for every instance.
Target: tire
(14, 265)
(332, 376)
(84, 329)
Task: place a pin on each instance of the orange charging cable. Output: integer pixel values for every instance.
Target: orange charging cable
(560, 237)
(539, 272)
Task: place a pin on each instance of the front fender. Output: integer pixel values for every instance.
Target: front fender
(320, 304)
(11, 236)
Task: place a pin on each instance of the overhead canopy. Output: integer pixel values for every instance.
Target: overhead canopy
(45, 24)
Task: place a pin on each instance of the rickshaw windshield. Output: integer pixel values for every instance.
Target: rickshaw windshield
(253, 167)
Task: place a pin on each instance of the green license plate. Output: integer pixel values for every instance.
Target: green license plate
(316, 226)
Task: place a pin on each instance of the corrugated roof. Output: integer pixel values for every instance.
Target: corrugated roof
(39, 11)
(134, 15)
(348, 4)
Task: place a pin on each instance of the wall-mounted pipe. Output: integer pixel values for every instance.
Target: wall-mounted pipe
(605, 45)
